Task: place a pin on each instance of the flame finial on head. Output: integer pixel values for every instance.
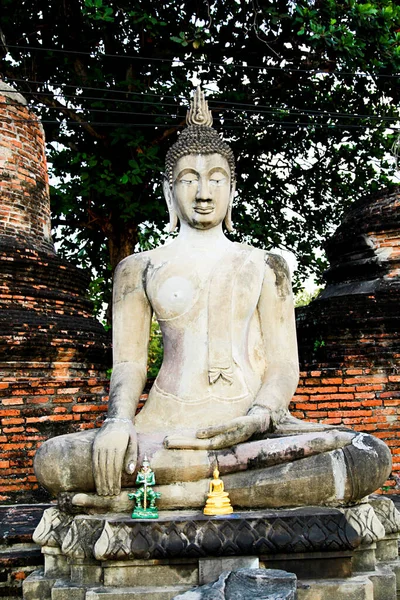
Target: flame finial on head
(199, 113)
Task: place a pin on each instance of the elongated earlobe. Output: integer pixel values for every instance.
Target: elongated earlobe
(228, 216)
(173, 217)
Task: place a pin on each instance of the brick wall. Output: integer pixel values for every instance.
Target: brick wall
(25, 207)
(53, 353)
(349, 338)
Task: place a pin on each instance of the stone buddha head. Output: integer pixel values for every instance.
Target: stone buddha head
(199, 180)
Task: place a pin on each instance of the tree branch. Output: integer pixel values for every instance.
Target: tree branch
(51, 101)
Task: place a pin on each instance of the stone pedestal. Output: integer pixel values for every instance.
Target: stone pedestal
(341, 553)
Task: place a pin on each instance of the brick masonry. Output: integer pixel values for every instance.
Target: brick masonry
(349, 338)
(53, 353)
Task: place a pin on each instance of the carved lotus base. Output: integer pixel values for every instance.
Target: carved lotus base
(112, 556)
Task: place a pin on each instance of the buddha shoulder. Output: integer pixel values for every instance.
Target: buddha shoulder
(130, 273)
(277, 267)
(274, 262)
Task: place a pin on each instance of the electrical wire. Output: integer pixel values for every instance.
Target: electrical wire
(248, 126)
(234, 106)
(204, 63)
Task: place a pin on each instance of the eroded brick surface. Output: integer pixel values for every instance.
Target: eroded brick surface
(53, 353)
(349, 339)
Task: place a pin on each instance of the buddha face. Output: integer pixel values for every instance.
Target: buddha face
(202, 189)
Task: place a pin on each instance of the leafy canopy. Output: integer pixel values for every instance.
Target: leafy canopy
(306, 93)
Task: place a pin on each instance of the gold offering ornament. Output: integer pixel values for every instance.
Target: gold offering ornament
(218, 502)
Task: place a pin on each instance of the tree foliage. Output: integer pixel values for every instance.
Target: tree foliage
(304, 91)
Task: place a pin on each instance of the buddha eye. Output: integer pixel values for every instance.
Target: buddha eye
(188, 181)
(217, 180)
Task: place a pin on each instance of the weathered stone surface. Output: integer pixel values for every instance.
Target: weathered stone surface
(247, 584)
(211, 568)
(52, 528)
(136, 593)
(357, 588)
(387, 549)
(194, 535)
(55, 562)
(167, 573)
(86, 572)
(387, 513)
(65, 590)
(151, 559)
(384, 582)
(319, 565)
(37, 586)
(364, 558)
(363, 519)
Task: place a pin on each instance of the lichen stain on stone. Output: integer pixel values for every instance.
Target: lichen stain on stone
(282, 275)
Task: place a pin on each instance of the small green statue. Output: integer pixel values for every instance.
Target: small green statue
(145, 497)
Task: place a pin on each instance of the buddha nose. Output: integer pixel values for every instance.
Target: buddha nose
(203, 191)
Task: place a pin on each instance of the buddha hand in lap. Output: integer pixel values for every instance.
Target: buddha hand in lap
(229, 371)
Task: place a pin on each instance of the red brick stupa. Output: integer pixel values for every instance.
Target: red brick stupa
(54, 353)
(349, 338)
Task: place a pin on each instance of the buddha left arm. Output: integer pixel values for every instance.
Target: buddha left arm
(278, 329)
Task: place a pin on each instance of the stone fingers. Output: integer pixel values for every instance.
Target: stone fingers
(231, 426)
(131, 454)
(96, 470)
(176, 442)
(240, 433)
(104, 471)
(117, 468)
(230, 438)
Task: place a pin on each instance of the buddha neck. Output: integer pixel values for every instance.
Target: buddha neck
(207, 239)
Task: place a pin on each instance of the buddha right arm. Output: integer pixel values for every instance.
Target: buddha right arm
(115, 445)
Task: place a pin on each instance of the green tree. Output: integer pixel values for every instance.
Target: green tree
(305, 91)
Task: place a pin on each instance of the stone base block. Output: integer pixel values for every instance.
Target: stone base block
(37, 586)
(394, 566)
(384, 582)
(387, 549)
(136, 593)
(65, 590)
(321, 565)
(153, 572)
(355, 588)
(85, 572)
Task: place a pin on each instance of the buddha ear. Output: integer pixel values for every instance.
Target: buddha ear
(228, 216)
(173, 217)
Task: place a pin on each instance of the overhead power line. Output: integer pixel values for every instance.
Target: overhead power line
(231, 106)
(199, 63)
(248, 126)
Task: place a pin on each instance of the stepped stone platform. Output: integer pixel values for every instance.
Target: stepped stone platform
(336, 553)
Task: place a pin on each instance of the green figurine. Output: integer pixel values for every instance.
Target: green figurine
(145, 497)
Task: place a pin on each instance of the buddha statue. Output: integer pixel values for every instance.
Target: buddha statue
(229, 371)
(218, 502)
